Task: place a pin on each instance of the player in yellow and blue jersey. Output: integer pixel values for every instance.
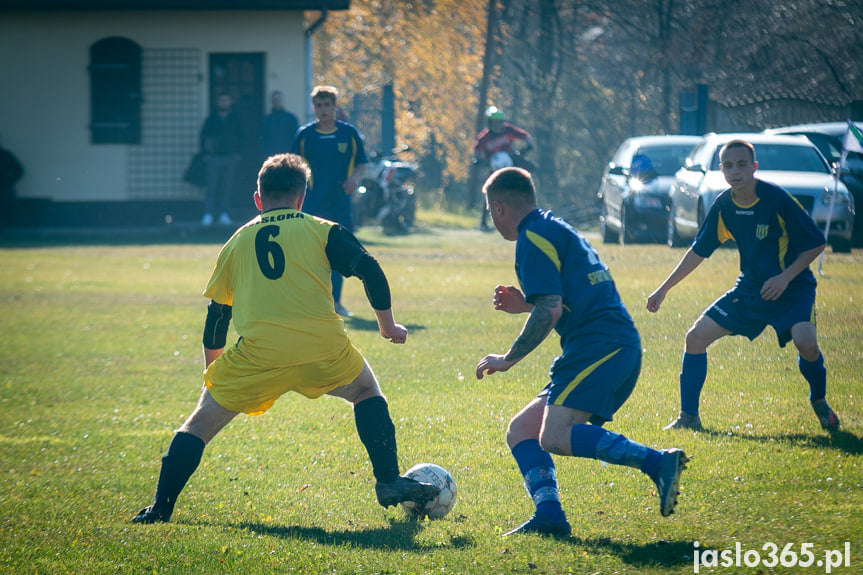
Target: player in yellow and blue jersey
(777, 240)
(272, 278)
(335, 153)
(566, 287)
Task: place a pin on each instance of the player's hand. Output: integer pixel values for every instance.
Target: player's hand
(773, 288)
(396, 333)
(510, 299)
(350, 186)
(492, 363)
(654, 300)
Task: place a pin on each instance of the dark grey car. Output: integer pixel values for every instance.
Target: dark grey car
(634, 206)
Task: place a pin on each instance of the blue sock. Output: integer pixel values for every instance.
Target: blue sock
(594, 442)
(540, 480)
(692, 375)
(816, 375)
(584, 438)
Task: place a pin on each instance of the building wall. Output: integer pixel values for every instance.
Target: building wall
(45, 99)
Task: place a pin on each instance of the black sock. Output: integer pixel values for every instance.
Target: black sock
(178, 464)
(378, 435)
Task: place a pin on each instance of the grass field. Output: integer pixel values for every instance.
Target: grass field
(101, 360)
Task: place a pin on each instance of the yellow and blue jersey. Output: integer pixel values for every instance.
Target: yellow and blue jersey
(552, 258)
(332, 157)
(282, 306)
(770, 234)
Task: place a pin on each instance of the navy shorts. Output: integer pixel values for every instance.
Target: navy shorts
(597, 385)
(748, 315)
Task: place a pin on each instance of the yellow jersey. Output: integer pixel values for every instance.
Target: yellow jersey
(275, 273)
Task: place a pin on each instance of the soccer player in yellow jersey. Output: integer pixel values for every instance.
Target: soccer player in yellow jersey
(273, 279)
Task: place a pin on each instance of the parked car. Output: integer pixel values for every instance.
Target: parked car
(828, 137)
(634, 194)
(792, 162)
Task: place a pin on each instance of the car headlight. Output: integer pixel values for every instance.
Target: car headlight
(842, 198)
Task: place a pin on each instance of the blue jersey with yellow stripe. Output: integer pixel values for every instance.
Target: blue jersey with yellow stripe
(332, 157)
(770, 234)
(552, 258)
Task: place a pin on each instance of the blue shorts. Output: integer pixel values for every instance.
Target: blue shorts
(748, 315)
(599, 386)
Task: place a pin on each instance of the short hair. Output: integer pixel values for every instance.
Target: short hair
(737, 144)
(283, 175)
(512, 186)
(325, 92)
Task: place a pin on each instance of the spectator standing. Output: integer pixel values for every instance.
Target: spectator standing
(278, 128)
(10, 172)
(222, 144)
(335, 153)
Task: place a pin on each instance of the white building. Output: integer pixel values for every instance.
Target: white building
(102, 101)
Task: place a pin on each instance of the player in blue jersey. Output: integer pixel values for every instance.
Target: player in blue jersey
(777, 241)
(334, 151)
(566, 287)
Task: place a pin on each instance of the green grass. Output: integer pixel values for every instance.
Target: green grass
(101, 361)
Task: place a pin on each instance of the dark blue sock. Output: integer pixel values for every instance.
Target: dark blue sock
(528, 454)
(583, 439)
(540, 480)
(692, 375)
(816, 375)
(594, 442)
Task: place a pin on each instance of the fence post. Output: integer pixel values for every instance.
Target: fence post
(388, 120)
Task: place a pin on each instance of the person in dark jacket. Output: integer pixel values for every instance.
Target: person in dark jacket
(221, 143)
(10, 172)
(277, 128)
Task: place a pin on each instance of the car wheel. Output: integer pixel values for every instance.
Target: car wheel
(673, 239)
(608, 236)
(626, 236)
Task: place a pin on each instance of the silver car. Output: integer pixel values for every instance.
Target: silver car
(792, 162)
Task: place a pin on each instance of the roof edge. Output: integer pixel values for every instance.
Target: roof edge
(116, 5)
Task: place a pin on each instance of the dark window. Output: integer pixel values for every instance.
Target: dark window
(115, 91)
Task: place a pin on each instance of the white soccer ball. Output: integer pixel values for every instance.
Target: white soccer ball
(439, 477)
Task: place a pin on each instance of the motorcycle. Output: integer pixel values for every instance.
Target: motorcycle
(497, 161)
(504, 159)
(386, 194)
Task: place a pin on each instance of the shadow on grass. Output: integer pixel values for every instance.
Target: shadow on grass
(660, 553)
(399, 536)
(840, 440)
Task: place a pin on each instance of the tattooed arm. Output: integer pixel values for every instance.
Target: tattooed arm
(547, 309)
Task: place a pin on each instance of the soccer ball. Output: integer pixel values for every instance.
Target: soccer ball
(439, 477)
